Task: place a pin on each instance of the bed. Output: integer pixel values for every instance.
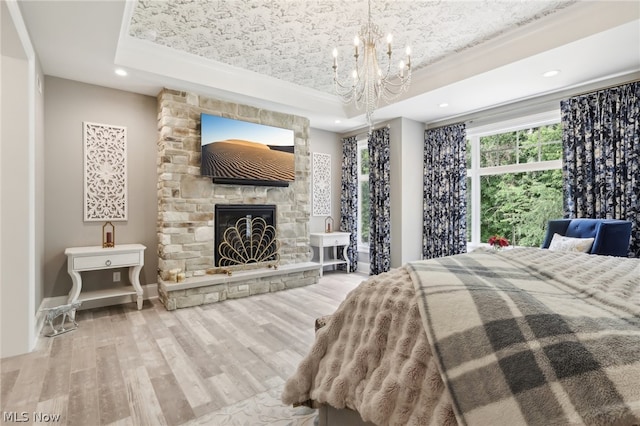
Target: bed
(521, 336)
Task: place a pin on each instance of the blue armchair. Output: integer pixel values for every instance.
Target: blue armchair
(611, 236)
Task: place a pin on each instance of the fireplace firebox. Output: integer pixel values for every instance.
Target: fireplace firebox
(245, 234)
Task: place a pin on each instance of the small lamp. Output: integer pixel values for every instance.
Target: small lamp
(328, 224)
(108, 235)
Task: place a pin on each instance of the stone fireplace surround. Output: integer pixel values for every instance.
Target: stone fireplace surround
(186, 204)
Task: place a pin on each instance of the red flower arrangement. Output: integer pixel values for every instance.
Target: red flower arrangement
(497, 242)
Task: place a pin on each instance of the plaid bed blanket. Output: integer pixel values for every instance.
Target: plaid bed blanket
(530, 336)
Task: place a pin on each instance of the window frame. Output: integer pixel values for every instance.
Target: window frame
(476, 172)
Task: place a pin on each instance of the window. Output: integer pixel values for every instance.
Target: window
(363, 195)
(514, 182)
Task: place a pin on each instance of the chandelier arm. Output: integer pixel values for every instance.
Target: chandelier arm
(392, 91)
(346, 91)
(397, 82)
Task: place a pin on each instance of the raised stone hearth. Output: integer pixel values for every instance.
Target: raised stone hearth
(187, 200)
(216, 288)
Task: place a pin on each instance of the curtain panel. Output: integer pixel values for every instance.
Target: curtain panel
(349, 198)
(445, 184)
(380, 224)
(601, 156)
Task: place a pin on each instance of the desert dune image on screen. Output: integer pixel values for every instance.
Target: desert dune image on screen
(239, 150)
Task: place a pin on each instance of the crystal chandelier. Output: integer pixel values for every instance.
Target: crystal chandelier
(369, 81)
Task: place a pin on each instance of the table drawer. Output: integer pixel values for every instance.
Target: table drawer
(338, 240)
(106, 261)
(329, 240)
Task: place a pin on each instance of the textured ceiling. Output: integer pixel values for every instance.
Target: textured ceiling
(293, 40)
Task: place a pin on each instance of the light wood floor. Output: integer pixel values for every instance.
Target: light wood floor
(124, 366)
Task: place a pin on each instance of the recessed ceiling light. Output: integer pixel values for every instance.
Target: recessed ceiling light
(337, 121)
(443, 105)
(551, 73)
(121, 72)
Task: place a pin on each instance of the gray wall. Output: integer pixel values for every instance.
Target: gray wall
(39, 182)
(406, 140)
(21, 220)
(67, 105)
(14, 212)
(327, 143)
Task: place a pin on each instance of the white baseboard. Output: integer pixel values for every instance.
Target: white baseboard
(150, 292)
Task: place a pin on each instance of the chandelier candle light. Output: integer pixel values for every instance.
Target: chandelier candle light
(369, 83)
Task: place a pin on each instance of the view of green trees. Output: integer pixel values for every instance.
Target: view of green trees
(365, 208)
(518, 205)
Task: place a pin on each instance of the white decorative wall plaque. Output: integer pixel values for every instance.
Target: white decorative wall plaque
(321, 169)
(105, 172)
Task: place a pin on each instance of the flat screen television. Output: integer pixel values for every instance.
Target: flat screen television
(244, 153)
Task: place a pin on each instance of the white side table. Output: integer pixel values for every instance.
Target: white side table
(94, 258)
(332, 239)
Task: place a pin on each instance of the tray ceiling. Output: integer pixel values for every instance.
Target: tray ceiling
(293, 40)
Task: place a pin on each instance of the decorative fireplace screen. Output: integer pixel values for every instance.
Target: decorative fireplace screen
(245, 235)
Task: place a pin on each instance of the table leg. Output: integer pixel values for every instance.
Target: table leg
(134, 277)
(321, 257)
(76, 287)
(346, 258)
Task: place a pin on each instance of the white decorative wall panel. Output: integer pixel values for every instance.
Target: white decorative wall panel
(105, 172)
(321, 184)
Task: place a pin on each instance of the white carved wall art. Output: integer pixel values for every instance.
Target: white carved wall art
(105, 172)
(321, 168)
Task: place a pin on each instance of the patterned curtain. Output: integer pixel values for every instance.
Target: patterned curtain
(349, 197)
(601, 156)
(380, 225)
(445, 184)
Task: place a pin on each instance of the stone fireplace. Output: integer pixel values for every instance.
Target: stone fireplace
(187, 203)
